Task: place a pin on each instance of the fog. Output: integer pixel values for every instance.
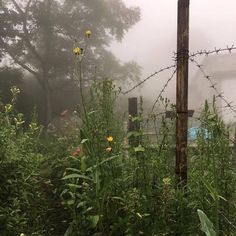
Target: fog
(152, 41)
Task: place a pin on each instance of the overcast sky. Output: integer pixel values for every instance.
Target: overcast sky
(152, 40)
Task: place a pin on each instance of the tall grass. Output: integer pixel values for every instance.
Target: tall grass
(92, 182)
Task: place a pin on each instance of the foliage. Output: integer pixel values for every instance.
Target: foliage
(206, 224)
(97, 179)
(27, 194)
(39, 36)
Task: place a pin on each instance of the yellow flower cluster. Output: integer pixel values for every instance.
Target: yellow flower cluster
(109, 140)
(88, 33)
(77, 51)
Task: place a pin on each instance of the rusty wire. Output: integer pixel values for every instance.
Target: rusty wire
(214, 51)
(163, 90)
(205, 52)
(148, 78)
(191, 56)
(213, 85)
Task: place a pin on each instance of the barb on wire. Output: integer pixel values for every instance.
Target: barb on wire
(213, 85)
(150, 114)
(163, 90)
(147, 78)
(206, 52)
(214, 51)
(191, 57)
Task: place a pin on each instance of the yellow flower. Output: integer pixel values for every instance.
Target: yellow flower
(88, 33)
(77, 51)
(109, 139)
(22, 234)
(109, 149)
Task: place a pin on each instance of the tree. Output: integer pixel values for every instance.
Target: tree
(39, 36)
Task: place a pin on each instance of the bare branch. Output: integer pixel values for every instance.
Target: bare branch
(16, 60)
(28, 5)
(26, 32)
(17, 7)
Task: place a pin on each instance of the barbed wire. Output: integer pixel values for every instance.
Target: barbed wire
(147, 78)
(191, 55)
(163, 90)
(205, 52)
(214, 51)
(150, 114)
(213, 85)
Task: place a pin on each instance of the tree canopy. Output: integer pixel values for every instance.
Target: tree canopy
(39, 36)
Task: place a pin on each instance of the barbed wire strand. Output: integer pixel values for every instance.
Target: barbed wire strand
(163, 90)
(147, 78)
(214, 51)
(191, 55)
(191, 58)
(159, 96)
(205, 52)
(213, 85)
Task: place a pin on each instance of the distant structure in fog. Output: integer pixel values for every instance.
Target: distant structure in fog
(222, 69)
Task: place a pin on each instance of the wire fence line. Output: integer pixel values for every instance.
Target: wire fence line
(214, 51)
(147, 78)
(163, 90)
(151, 116)
(213, 85)
(173, 68)
(204, 52)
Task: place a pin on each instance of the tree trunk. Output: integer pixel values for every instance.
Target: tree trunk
(47, 101)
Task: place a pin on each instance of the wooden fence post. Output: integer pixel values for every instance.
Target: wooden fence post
(182, 91)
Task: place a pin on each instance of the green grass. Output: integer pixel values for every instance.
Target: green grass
(123, 190)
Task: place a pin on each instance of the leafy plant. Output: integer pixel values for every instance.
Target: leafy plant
(206, 224)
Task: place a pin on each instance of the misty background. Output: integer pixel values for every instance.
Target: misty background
(152, 41)
(125, 35)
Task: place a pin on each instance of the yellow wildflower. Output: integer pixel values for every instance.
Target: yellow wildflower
(88, 33)
(109, 149)
(109, 139)
(77, 51)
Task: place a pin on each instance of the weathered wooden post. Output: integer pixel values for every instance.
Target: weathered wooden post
(182, 91)
(234, 148)
(132, 125)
